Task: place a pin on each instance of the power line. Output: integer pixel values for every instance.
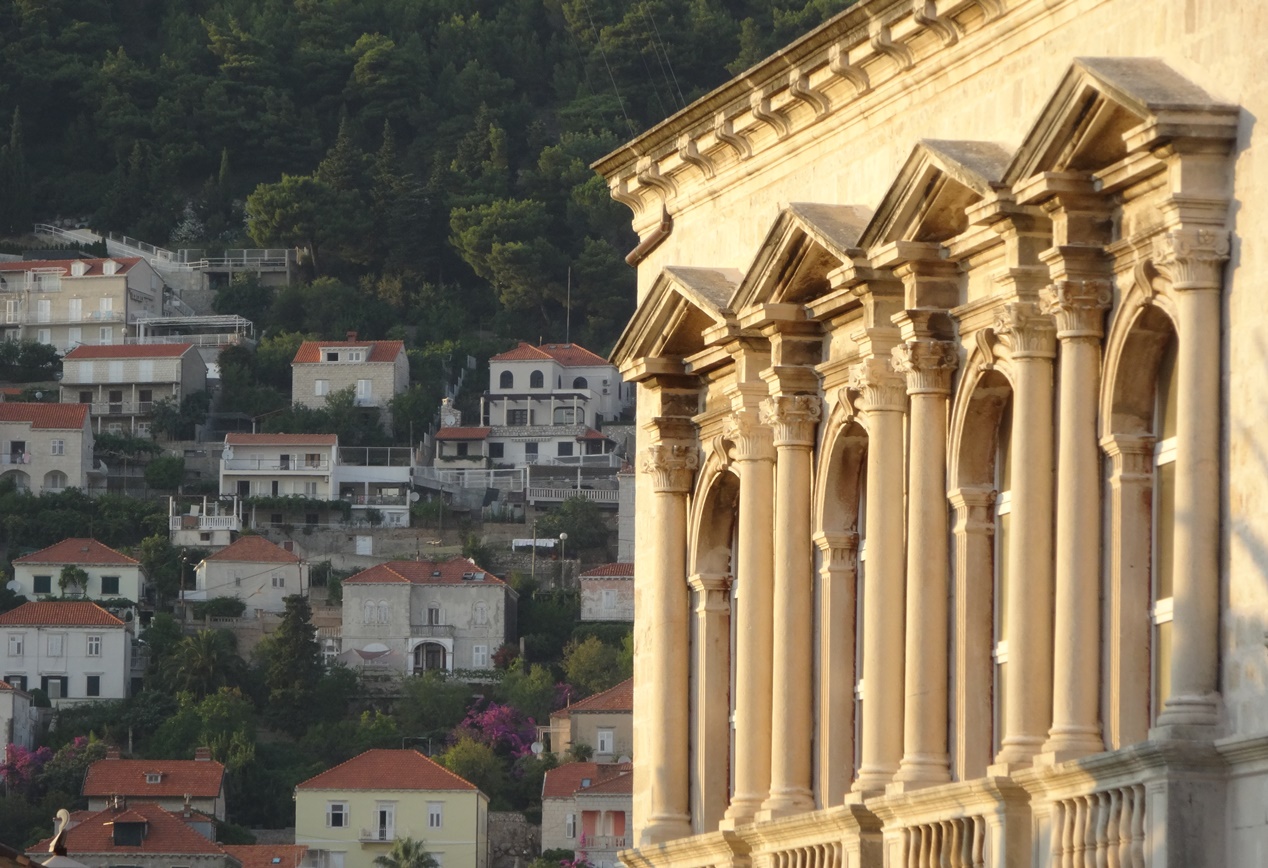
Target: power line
(663, 49)
(599, 42)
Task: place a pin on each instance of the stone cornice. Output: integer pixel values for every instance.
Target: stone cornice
(843, 60)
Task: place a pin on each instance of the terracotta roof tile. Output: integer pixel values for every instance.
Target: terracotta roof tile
(60, 613)
(424, 573)
(562, 781)
(380, 351)
(94, 265)
(618, 698)
(620, 785)
(254, 549)
(385, 769)
(129, 351)
(121, 777)
(610, 571)
(591, 434)
(78, 550)
(267, 855)
(281, 439)
(463, 433)
(45, 415)
(165, 833)
(568, 355)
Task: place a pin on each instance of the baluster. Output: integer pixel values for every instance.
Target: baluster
(1068, 833)
(946, 830)
(1080, 826)
(922, 857)
(979, 842)
(1056, 857)
(1102, 830)
(1114, 837)
(1089, 832)
(955, 841)
(1125, 828)
(1138, 827)
(909, 848)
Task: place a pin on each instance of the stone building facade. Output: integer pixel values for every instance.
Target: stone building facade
(950, 495)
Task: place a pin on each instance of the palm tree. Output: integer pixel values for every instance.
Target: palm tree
(407, 853)
(203, 663)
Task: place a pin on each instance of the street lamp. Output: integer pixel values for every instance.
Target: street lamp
(563, 546)
(533, 569)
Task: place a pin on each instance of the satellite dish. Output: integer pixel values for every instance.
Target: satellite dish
(537, 747)
(413, 497)
(228, 453)
(14, 585)
(624, 758)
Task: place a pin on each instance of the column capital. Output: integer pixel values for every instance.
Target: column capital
(672, 466)
(753, 440)
(707, 582)
(973, 505)
(928, 365)
(1194, 256)
(1026, 331)
(1131, 455)
(1079, 307)
(792, 418)
(836, 547)
(879, 386)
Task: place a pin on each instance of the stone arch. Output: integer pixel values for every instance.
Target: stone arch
(21, 479)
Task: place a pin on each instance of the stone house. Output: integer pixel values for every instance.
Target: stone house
(111, 574)
(120, 383)
(376, 370)
(48, 447)
(143, 835)
(171, 784)
(586, 808)
(254, 570)
(607, 593)
(604, 722)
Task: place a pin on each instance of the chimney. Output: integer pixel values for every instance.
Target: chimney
(112, 753)
(202, 754)
(352, 336)
(188, 804)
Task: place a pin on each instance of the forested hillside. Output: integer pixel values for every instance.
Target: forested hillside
(430, 154)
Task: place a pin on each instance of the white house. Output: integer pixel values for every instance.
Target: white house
(47, 447)
(74, 651)
(260, 573)
(16, 723)
(110, 573)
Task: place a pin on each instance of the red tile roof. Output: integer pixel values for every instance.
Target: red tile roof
(610, 571)
(267, 855)
(254, 549)
(129, 351)
(591, 434)
(165, 833)
(45, 415)
(94, 265)
(424, 573)
(78, 550)
(59, 613)
(119, 777)
(463, 433)
(380, 351)
(281, 439)
(620, 785)
(618, 698)
(568, 355)
(384, 769)
(562, 781)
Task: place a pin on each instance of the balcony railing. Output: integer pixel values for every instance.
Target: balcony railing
(377, 835)
(603, 842)
(376, 456)
(597, 495)
(205, 522)
(120, 408)
(375, 499)
(15, 458)
(431, 631)
(302, 466)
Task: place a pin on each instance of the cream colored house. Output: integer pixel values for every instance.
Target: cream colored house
(377, 371)
(949, 345)
(73, 651)
(68, 302)
(586, 809)
(120, 383)
(256, 571)
(603, 722)
(280, 465)
(353, 812)
(47, 447)
(111, 574)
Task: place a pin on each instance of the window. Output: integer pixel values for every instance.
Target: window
(570, 826)
(481, 614)
(16, 644)
(568, 416)
(105, 335)
(93, 687)
(74, 336)
(310, 490)
(312, 459)
(433, 615)
(17, 682)
(44, 336)
(43, 585)
(479, 656)
(94, 646)
(564, 448)
(530, 451)
(385, 816)
(154, 777)
(1164, 519)
(57, 447)
(356, 355)
(1003, 521)
(506, 380)
(55, 642)
(364, 390)
(607, 599)
(536, 380)
(279, 581)
(109, 584)
(435, 814)
(496, 450)
(145, 373)
(43, 312)
(85, 397)
(371, 613)
(54, 685)
(580, 383)
(75, 309)
(337, 815)
(462, 450)
(310, 518)
(114, 371)
(605, 741)
(321, 387)
(517, 417)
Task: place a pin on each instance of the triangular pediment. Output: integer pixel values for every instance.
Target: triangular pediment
(1105, 108)
(681, 306)
(807, 242)
(930, 198)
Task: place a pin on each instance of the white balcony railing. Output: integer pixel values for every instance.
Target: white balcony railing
(301, 466)
(205, 522)
(597, 495)
(377, 835)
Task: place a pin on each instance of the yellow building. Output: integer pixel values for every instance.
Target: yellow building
(353, 812)
(951, 506)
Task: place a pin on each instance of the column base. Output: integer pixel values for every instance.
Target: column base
(1187, 718)
(920, 770)
(872, 780)
(664, 827)
(784, 802)
(741, 811)
(1019, 750)
(1070, 742)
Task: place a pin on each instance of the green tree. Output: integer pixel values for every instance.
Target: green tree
(477, 763)
(431, 705)
(298, 211)
(407, 853)
(204, 663)
(531, 691)
(592, 665)
(73, 581)
(162, 565)
(293, 667)
(166, 472)
(582, 519)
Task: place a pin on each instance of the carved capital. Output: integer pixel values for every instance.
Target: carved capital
(1194, 257)
(792, 418)
(752, 440)
(1078, 306)
(1026, 331)
(837, 549)
(1131, 457)
(927, 364)
(880, 388)
(973, 510)
(672, 466)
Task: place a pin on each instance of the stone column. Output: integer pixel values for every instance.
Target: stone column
(754, 565)
(973, 532)
(710, 702)
(834, 736)
(792, 419)
(671, 466)
(1028, 713)
(1194, 258)
(883, 400)
(1079, 308)
(928, 365)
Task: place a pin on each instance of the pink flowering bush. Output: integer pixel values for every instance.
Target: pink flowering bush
(21, 766)
(503, 728)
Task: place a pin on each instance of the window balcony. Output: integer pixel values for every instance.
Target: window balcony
(377, 836)
(431, 631)
(302, 465)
